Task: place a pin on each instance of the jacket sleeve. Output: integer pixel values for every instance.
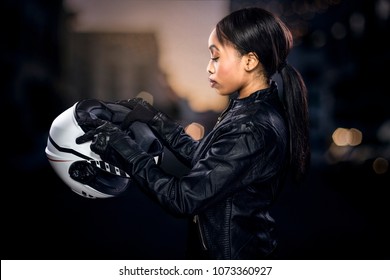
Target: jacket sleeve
(234, 159)
(174, 137)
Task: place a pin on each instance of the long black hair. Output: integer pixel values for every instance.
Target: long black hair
(263, 33)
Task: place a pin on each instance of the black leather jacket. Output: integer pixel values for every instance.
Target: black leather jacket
(235, 173)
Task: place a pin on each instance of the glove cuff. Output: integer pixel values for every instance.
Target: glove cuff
(125, 147)
(142, 112)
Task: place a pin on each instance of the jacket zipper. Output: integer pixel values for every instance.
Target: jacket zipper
(197, 222)
(224, 112)
(196, 217)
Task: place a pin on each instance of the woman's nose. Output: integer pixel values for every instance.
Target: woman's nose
(210, 68)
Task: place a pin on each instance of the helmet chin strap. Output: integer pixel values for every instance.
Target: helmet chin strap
(108, 167)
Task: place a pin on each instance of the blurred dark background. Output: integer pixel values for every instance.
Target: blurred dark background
(342, 210)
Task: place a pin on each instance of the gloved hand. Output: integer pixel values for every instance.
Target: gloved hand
(142, 111)
(110, 143)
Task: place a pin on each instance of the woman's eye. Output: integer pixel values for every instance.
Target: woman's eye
(214, 58)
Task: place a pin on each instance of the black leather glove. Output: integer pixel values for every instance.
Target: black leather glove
(141, 111)
(110, 143)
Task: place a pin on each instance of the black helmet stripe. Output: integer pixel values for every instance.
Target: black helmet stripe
(67, 150)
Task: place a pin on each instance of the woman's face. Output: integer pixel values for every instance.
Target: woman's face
(226, 67)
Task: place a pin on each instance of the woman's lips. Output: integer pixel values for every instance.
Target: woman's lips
(212, 83)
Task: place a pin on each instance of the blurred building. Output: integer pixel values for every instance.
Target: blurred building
(115, 66)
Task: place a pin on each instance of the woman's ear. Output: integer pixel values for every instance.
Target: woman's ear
(251, 61)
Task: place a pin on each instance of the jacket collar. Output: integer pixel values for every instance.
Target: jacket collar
(257, 95)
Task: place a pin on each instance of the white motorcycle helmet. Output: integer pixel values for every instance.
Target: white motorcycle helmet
(80, 168)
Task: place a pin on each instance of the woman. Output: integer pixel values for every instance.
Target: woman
(236, 170)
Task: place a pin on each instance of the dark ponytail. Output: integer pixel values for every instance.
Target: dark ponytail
(295, 101)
